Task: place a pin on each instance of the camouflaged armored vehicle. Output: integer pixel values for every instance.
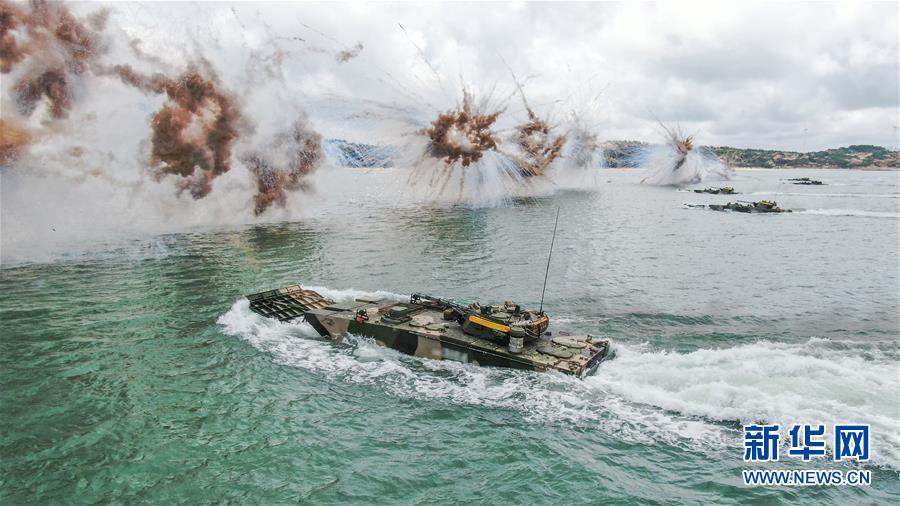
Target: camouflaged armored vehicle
(763, 206)
(725, 190)
(805, 181)
(501, 335)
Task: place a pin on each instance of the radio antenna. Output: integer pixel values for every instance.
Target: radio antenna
(547, 273)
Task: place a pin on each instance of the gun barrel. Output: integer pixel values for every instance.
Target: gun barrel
(437, 302)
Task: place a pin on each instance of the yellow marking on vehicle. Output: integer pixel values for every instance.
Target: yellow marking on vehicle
(489, 324)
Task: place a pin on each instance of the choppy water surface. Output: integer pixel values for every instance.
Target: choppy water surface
(136, 372)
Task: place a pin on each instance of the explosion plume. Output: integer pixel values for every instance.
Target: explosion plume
(13, 138)
(54, 48)
(582, 157)
(462, 135)
(283, 167)
(10, 51)
(678, 162)
(194, 131)
(539, 147)
(346, 55)
(454, 145)
(683, 144)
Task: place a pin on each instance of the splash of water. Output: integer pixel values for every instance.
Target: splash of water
(536, 148)
(539, 148)
(581, 158)
(456, 157)
(679, 399)
(678, 161)
(542, 398)
(462, 135)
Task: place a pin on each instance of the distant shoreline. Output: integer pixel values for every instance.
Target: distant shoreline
(873, 168)
(859, 156)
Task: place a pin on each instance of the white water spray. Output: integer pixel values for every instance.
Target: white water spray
(640, 395)
(679, 161)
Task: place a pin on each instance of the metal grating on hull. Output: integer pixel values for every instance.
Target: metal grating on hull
(288, 303)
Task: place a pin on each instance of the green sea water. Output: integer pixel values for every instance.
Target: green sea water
(133, 371)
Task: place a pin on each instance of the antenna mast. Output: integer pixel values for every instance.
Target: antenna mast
(552, 240)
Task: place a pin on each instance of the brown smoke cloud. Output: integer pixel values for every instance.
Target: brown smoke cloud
(13, 139)
(349, 54)
(53, 47)
(540, 148)
(462, 135)
(284, 165)
(194, 131)
(10, 51)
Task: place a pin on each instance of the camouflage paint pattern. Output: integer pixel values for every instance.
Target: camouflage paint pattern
(421, 331)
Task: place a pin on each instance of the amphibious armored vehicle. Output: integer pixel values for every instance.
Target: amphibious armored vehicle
(501, 335)
(805, 181)
(763, 206)
(725, 190)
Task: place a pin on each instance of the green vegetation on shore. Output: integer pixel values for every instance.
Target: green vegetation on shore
(620, 154)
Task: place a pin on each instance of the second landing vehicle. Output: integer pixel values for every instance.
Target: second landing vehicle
(805, 181)
(725, 190)
(763, 206)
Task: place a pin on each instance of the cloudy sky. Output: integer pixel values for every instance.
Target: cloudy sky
(767, 75)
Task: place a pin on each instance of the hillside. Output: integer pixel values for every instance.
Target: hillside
(851, 156)
(620, 154)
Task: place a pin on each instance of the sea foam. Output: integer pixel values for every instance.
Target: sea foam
(641, 395)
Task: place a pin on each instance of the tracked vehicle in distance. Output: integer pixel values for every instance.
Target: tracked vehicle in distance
(805, 181)
(763, 206)
(499, 335)
(725, 190)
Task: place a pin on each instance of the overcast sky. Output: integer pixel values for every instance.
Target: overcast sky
(740, 74)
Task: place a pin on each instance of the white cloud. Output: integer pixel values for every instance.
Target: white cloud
(747, 74)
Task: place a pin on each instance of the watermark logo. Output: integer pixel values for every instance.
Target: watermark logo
(851, 442)
(762, 443)
(807, 442)
(805, 477)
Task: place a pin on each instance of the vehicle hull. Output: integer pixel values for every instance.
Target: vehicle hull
(431, 328)
(451, 343)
